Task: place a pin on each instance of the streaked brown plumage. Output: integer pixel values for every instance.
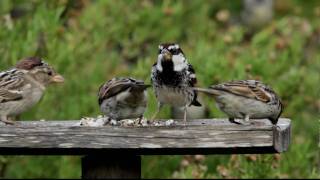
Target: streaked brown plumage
(23, 86)
(123, 98)
(246, 99)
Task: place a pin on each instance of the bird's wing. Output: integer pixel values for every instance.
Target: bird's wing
(192, 79)
(11, 82)
(247, 88)
(153, 71)
(9, 95)
(113, 87)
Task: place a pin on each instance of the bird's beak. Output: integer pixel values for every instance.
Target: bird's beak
(166, 54)
(57, 79)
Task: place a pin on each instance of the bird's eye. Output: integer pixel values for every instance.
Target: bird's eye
(174, 51)
(50, 73)
(159, 51)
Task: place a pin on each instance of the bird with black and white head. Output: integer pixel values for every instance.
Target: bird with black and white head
(172, 76)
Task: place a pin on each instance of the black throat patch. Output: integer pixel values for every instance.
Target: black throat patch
(168, 76)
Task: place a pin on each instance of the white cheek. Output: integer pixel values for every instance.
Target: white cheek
(179, 62)
(159, 67)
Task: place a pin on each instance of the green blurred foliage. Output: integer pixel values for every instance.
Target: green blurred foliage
(89, 42)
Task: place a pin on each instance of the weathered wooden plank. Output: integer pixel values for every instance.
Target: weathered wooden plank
(207, 136)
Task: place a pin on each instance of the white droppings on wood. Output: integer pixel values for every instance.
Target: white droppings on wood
(127, 122)
(169, 122)
(157, 124)
(94, 122)
(100, 121)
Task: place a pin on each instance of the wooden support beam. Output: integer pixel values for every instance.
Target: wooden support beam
(282, 136)
(111, 167)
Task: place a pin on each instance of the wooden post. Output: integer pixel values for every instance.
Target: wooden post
(111, 166)
(281, 136)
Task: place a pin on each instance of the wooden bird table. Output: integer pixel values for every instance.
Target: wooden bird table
(114, 151)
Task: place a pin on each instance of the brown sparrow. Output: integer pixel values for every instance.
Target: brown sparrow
(23, 86)
(123, 98)
(246, 99)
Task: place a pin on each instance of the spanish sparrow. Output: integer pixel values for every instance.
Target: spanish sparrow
(172, 76)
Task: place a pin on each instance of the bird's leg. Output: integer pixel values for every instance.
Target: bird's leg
(6, 121)
(246, 120)
(140, 119)
(185, 115)
(160, 105)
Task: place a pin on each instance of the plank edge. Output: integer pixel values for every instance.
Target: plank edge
(282, 135)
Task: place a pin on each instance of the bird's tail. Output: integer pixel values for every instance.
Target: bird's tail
(140, 87)
(208, 91)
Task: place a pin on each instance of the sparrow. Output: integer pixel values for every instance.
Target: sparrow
(171, 77)
(22, 86)
(246, 99)
(123, 98)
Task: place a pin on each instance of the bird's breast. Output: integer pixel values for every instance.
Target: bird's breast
(32, 95)
(172, 96)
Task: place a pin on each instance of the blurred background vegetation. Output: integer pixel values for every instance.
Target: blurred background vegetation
(90, 42)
